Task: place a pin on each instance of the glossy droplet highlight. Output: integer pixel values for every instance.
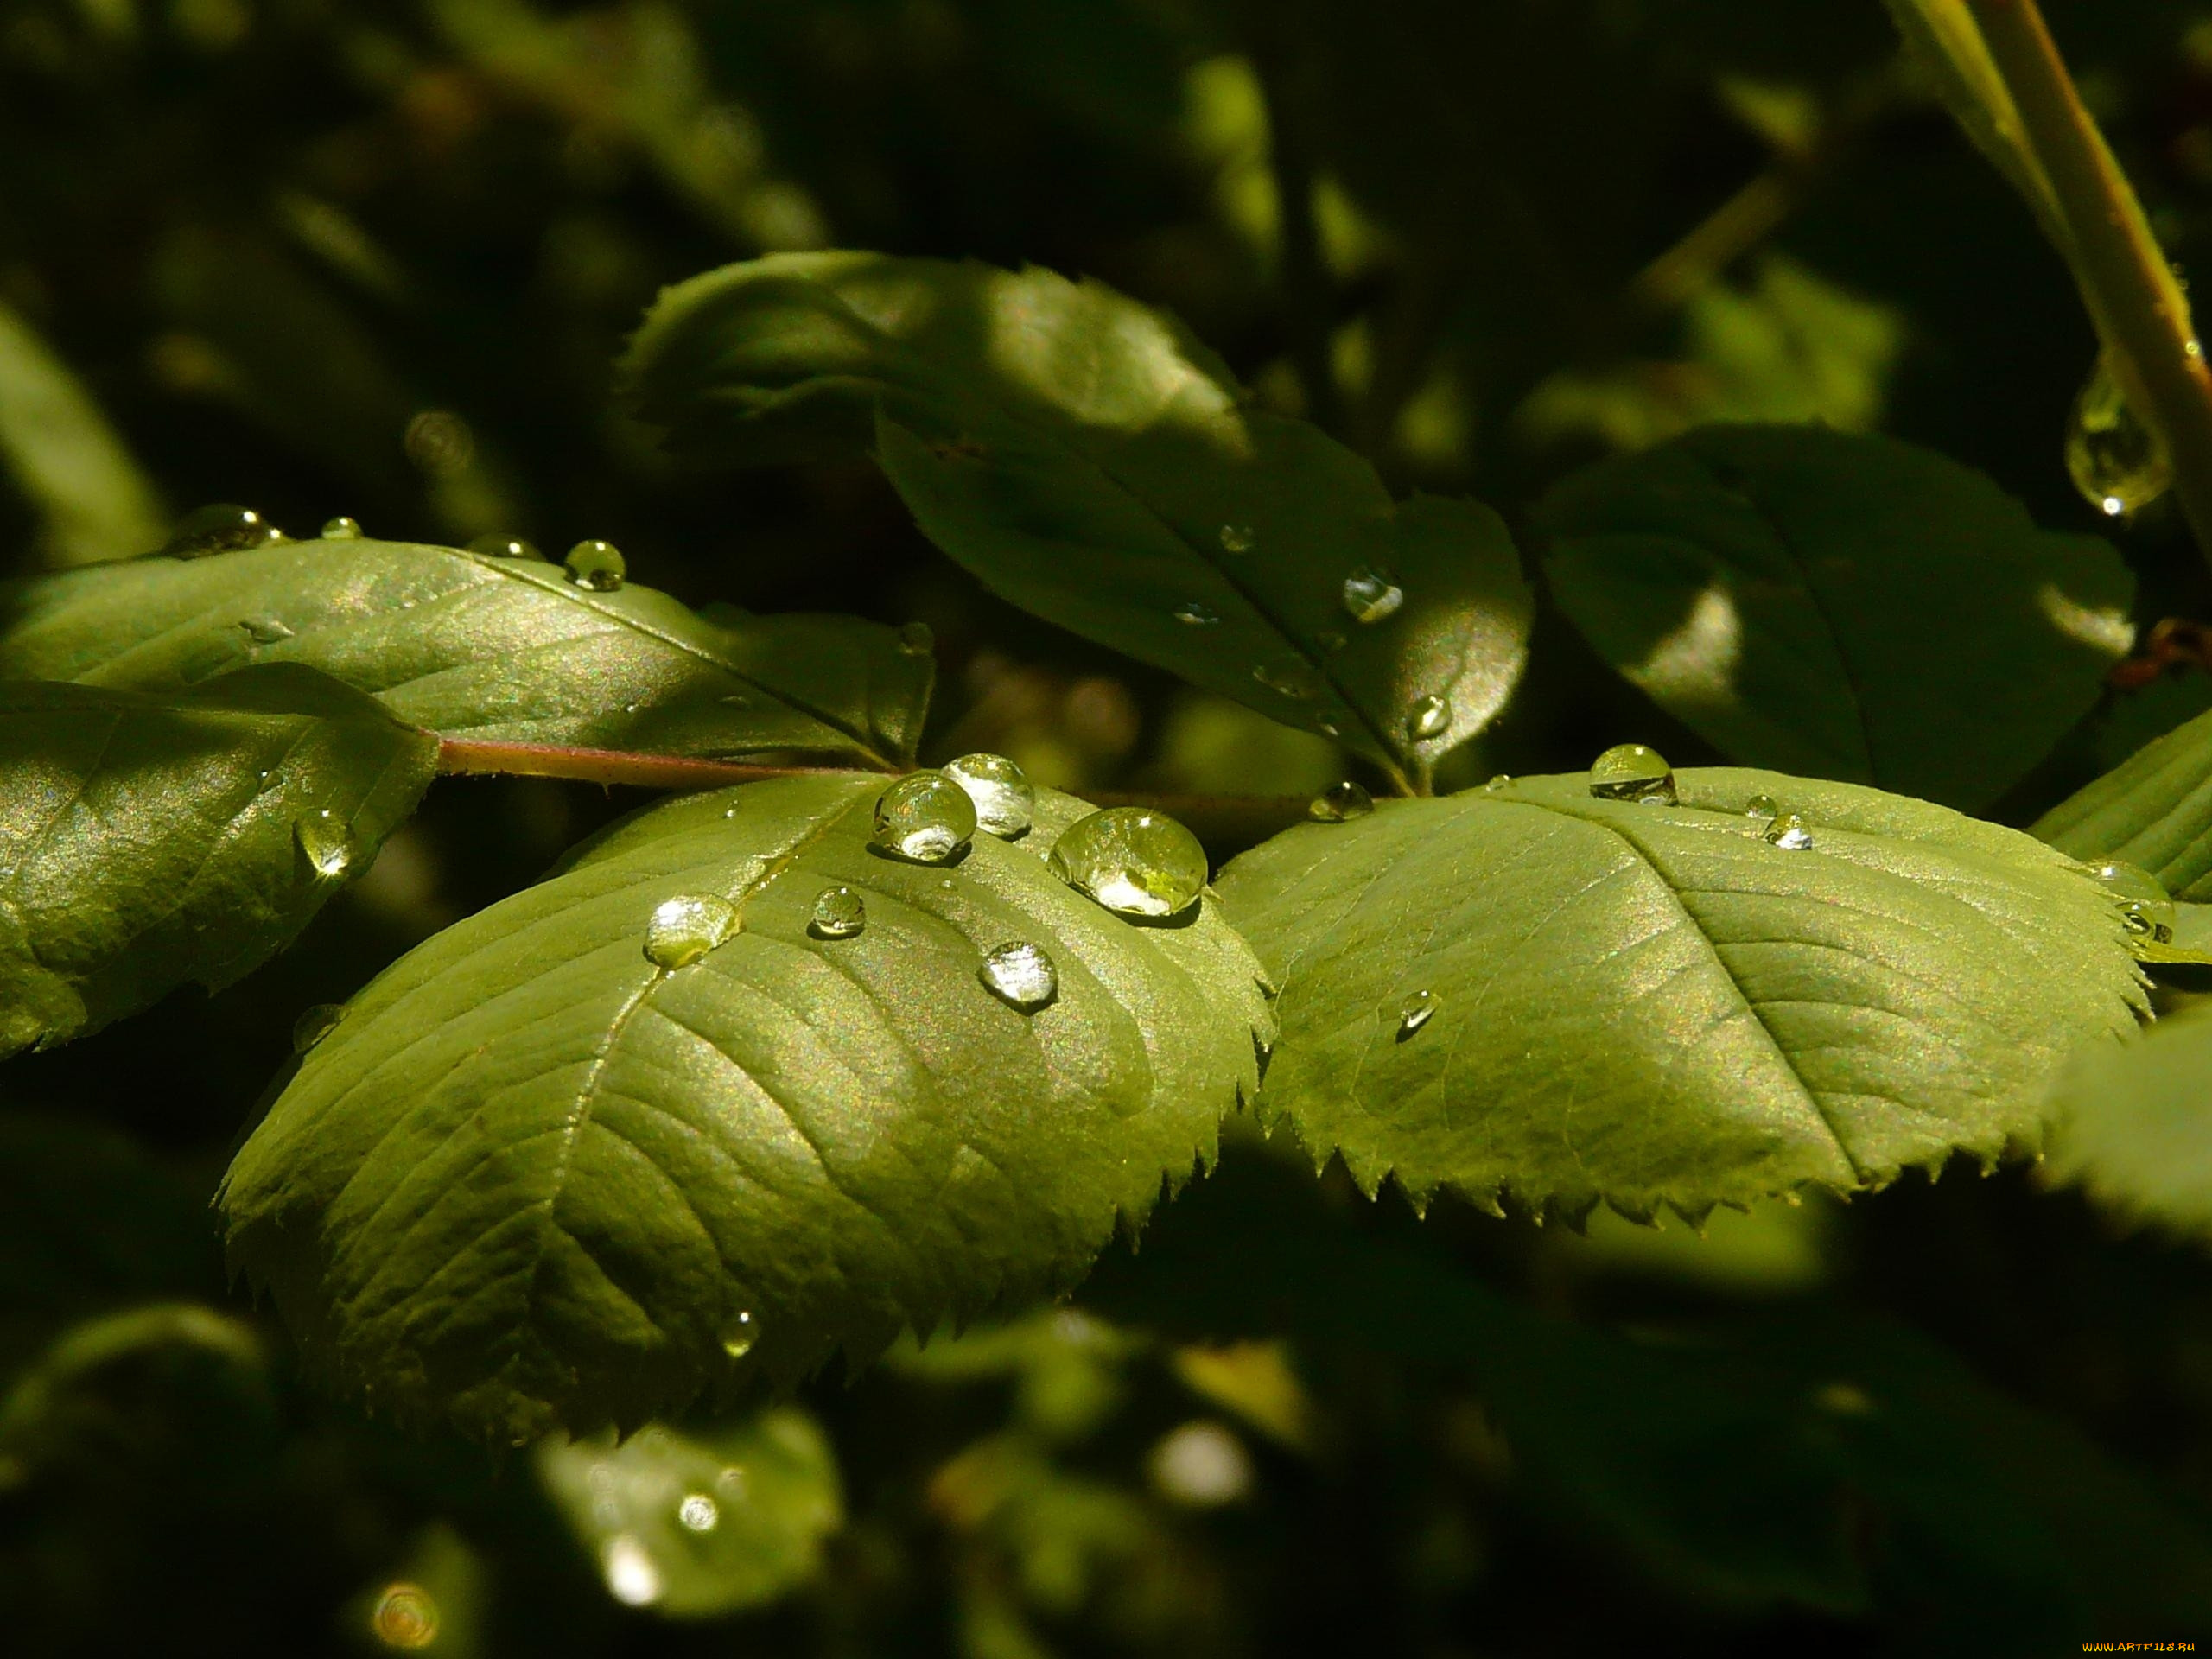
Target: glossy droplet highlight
(1237, 538)
(1133, 860)
(596, 566)
(505, 547)
(2116, 462)
(1005, 802)
(327, 842)
(916, 639)
(406, 1618)
(1369, 594)
(631, 1577)
(2145, 905)
(1191, 614)
(317, 1023)
(221, 527)
(341, 528)
(839, 913)
(1632, 772)
(1020, 976)
(738, 1340)
(1762, 807)
(684, 929)
(265, 630)
(1415, 1011)
(698, 1512)
(1340, 802)
(1788, 831)
(1498, 783)
(1429, 718)
(925, 818)
(1295, 681)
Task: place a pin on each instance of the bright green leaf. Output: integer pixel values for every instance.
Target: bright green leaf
(1797, 596)
(146, 841)
(1089, 461)
(1655, 1005)
(474, 647)
(533, 1179)
(2153, 810)
(2136, 1129)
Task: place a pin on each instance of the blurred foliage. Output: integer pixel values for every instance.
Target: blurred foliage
(380, 257)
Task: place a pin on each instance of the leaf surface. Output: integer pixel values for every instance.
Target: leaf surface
(147, 840)
(1653, 1005)
(1089, 461)
(2153, 810)
(2137, 1128)
(1797, 596)
(66, 458)
(531, 1178)
(470, 646)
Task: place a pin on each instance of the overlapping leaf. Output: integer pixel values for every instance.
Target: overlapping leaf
(1653, 1005)
(2153, 810)
(1796, 595)
(470, 646)
(146, 841)
(533, 1177)
(1090, 461)
(2137, 1126)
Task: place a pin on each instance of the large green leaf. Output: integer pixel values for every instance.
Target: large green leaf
(1797, 596)
(2136, 1131)
(2153, 810)
(1652, 1004)
(533, 1177)
(146, 841)
(1090, 461)
(472, 645)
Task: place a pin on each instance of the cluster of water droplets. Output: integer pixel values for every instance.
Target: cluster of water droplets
(2118, 463)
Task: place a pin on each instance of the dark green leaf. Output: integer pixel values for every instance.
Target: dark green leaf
(1845, 607)
(2153, 810)
(1090, 461)
(147, 840)
(474, 647)
(2136, 1129)
(1655, 1005)
(531, 1178)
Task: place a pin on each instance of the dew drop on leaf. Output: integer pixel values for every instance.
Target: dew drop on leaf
(1005, 802)
(925, 818)
(1369, 596)
(1762, 807)
(327, 841)
(1020, 976)
(2116, 462)
(266, 630)
(505, 547)
(1339, 803)
(684, 929)
(1416, 1011)
(1498, 783)
(1192, 614)
(317, 1023)
(596, 566)
(221, 527)
(2145, 905)
(1133, 860)
(1632, 772)
(632, 1577)
(1297, 682)
(1788, 831)
(341, 528)
(698, 1512)
(738, 1340)
(1430, 717)
(1237, 538)
(406, 1617)
(839, 913)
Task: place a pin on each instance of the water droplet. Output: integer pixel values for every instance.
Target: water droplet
(1132, 860)
(2143, 903)
(925, 818)
(406, 1617)
(1415, 1011)
(698, 1512)
(684, 929)
(1237, 538)
(839, 913)
(1430, 717)
(1192, 614)
(1005, 802)
(2118, 463)
(631, 1577)
(341, 528)
(505, 547)
(916, 639)
(327, 842)
(1297, 682)
(265, 630)
(596, 566)
(1632, 772)
(1327, 728)
(1020, 976)
(1498, 782)
(1340, 802)
(317, 1023)
(738, 1340)
(1369, 594)
(1788, 831)
(221, 527)
(1763, 807)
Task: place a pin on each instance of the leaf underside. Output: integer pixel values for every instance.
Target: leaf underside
(1654, 1006)
(532, 1179)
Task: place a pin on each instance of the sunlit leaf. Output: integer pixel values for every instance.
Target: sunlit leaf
(2154, 809)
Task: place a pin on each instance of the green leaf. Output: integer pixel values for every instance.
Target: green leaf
(2153, 810)
(484, 648)
(694, 1525)
(146, 841)
(533, 1179)
(1654, 1005)
(2136, 1132)
(1797, 596)
(1091, 463)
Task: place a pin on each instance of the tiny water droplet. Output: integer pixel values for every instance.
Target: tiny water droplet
(1005, 802)
(505, 547)
(317, 1023)
(1328, 728)
(1296, 681)
(839, 913)
(698, 1512)
(1020, 976)
(1430, 717)
(1415, 1011)
(1339, 803)
(1763, 807)
(1237, 538)
(1133, 860)
(1192, 614)
(1788, 831)
(341, 528)
(1632, 772)
(596, 566)
(1370, 595)
(925, 818)
(916, 639)
(1499, 781)
(684, 929)
(738, 1340)
(2145, 905)
(327, 842)
(220, 527)
(631, 1577)
(2116, 462)
(265, 630)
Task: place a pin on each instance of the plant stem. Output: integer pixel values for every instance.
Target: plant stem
(2127, 284)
